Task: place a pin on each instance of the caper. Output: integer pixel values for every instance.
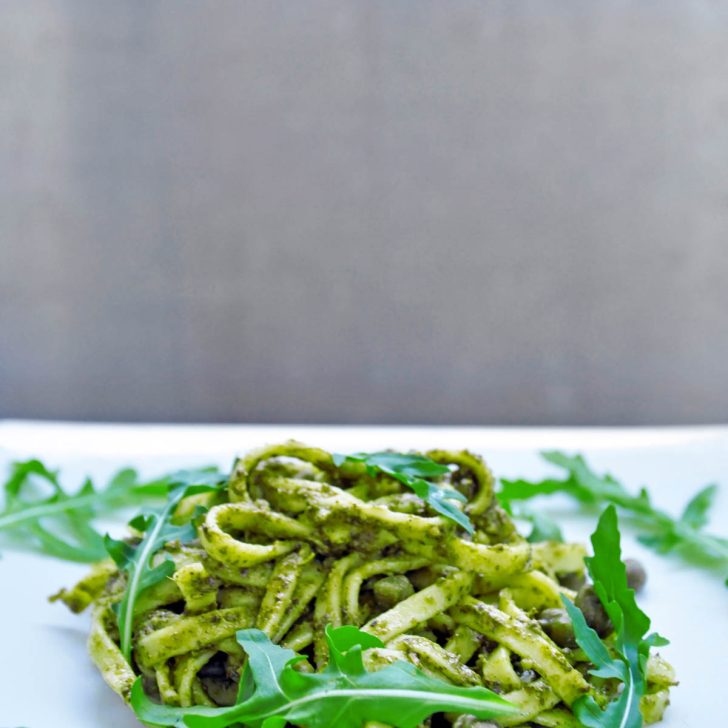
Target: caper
(223, 692)
(636, 574)
(426, 633)
(392, 589)
(470, 721)
(558, 626)
(594, 612)
(422, 578)
(215, 667)
(574, 580)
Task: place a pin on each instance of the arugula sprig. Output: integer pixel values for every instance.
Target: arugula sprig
(158, 529)
(631, 648)
(543, 528)
(58, 523)
(413, 471)
(273, 693)
(659, 530)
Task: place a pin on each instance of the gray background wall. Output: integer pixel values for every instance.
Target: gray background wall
(473, 212)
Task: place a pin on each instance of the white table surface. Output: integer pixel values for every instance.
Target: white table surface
(47, 680)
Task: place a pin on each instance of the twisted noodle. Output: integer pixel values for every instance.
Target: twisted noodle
(301, 543)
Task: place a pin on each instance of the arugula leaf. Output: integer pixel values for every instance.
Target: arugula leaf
(27, 514)
(696, 511)
(582, 483)
(344, 695)
(138, 561)
(412, 470)
(631, 624)
(543, 528)
(660, 531)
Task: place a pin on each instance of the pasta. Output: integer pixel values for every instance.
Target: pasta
(296, 543)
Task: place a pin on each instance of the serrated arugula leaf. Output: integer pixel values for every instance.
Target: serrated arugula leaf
(658, 530)
(696, 511)
(686, 532)
(344, 695)
(543, 528)
(39, 514)
(138, 562)
(631, 624)
(582, 483)
(413, 471)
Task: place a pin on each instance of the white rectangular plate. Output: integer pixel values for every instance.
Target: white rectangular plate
(47, 679)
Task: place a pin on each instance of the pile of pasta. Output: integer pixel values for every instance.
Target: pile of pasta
(296, 543)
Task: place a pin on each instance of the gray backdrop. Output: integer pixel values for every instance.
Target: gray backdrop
(395, 211)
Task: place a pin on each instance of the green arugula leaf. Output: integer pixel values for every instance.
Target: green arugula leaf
(58, 523)
(696, 511)
(413, 470)
(344, 695)
(138, 561)
(543, 528)
(659, 530)
(631, 624)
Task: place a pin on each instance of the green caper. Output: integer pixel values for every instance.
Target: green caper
(574, 580)
(470, 721)
(636, 574)
(594, 612)
(392, 589)
(426, 633)
(222, 691)
(422, 578)
(557, 625)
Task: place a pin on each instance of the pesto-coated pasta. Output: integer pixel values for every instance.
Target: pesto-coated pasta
(300, 540)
